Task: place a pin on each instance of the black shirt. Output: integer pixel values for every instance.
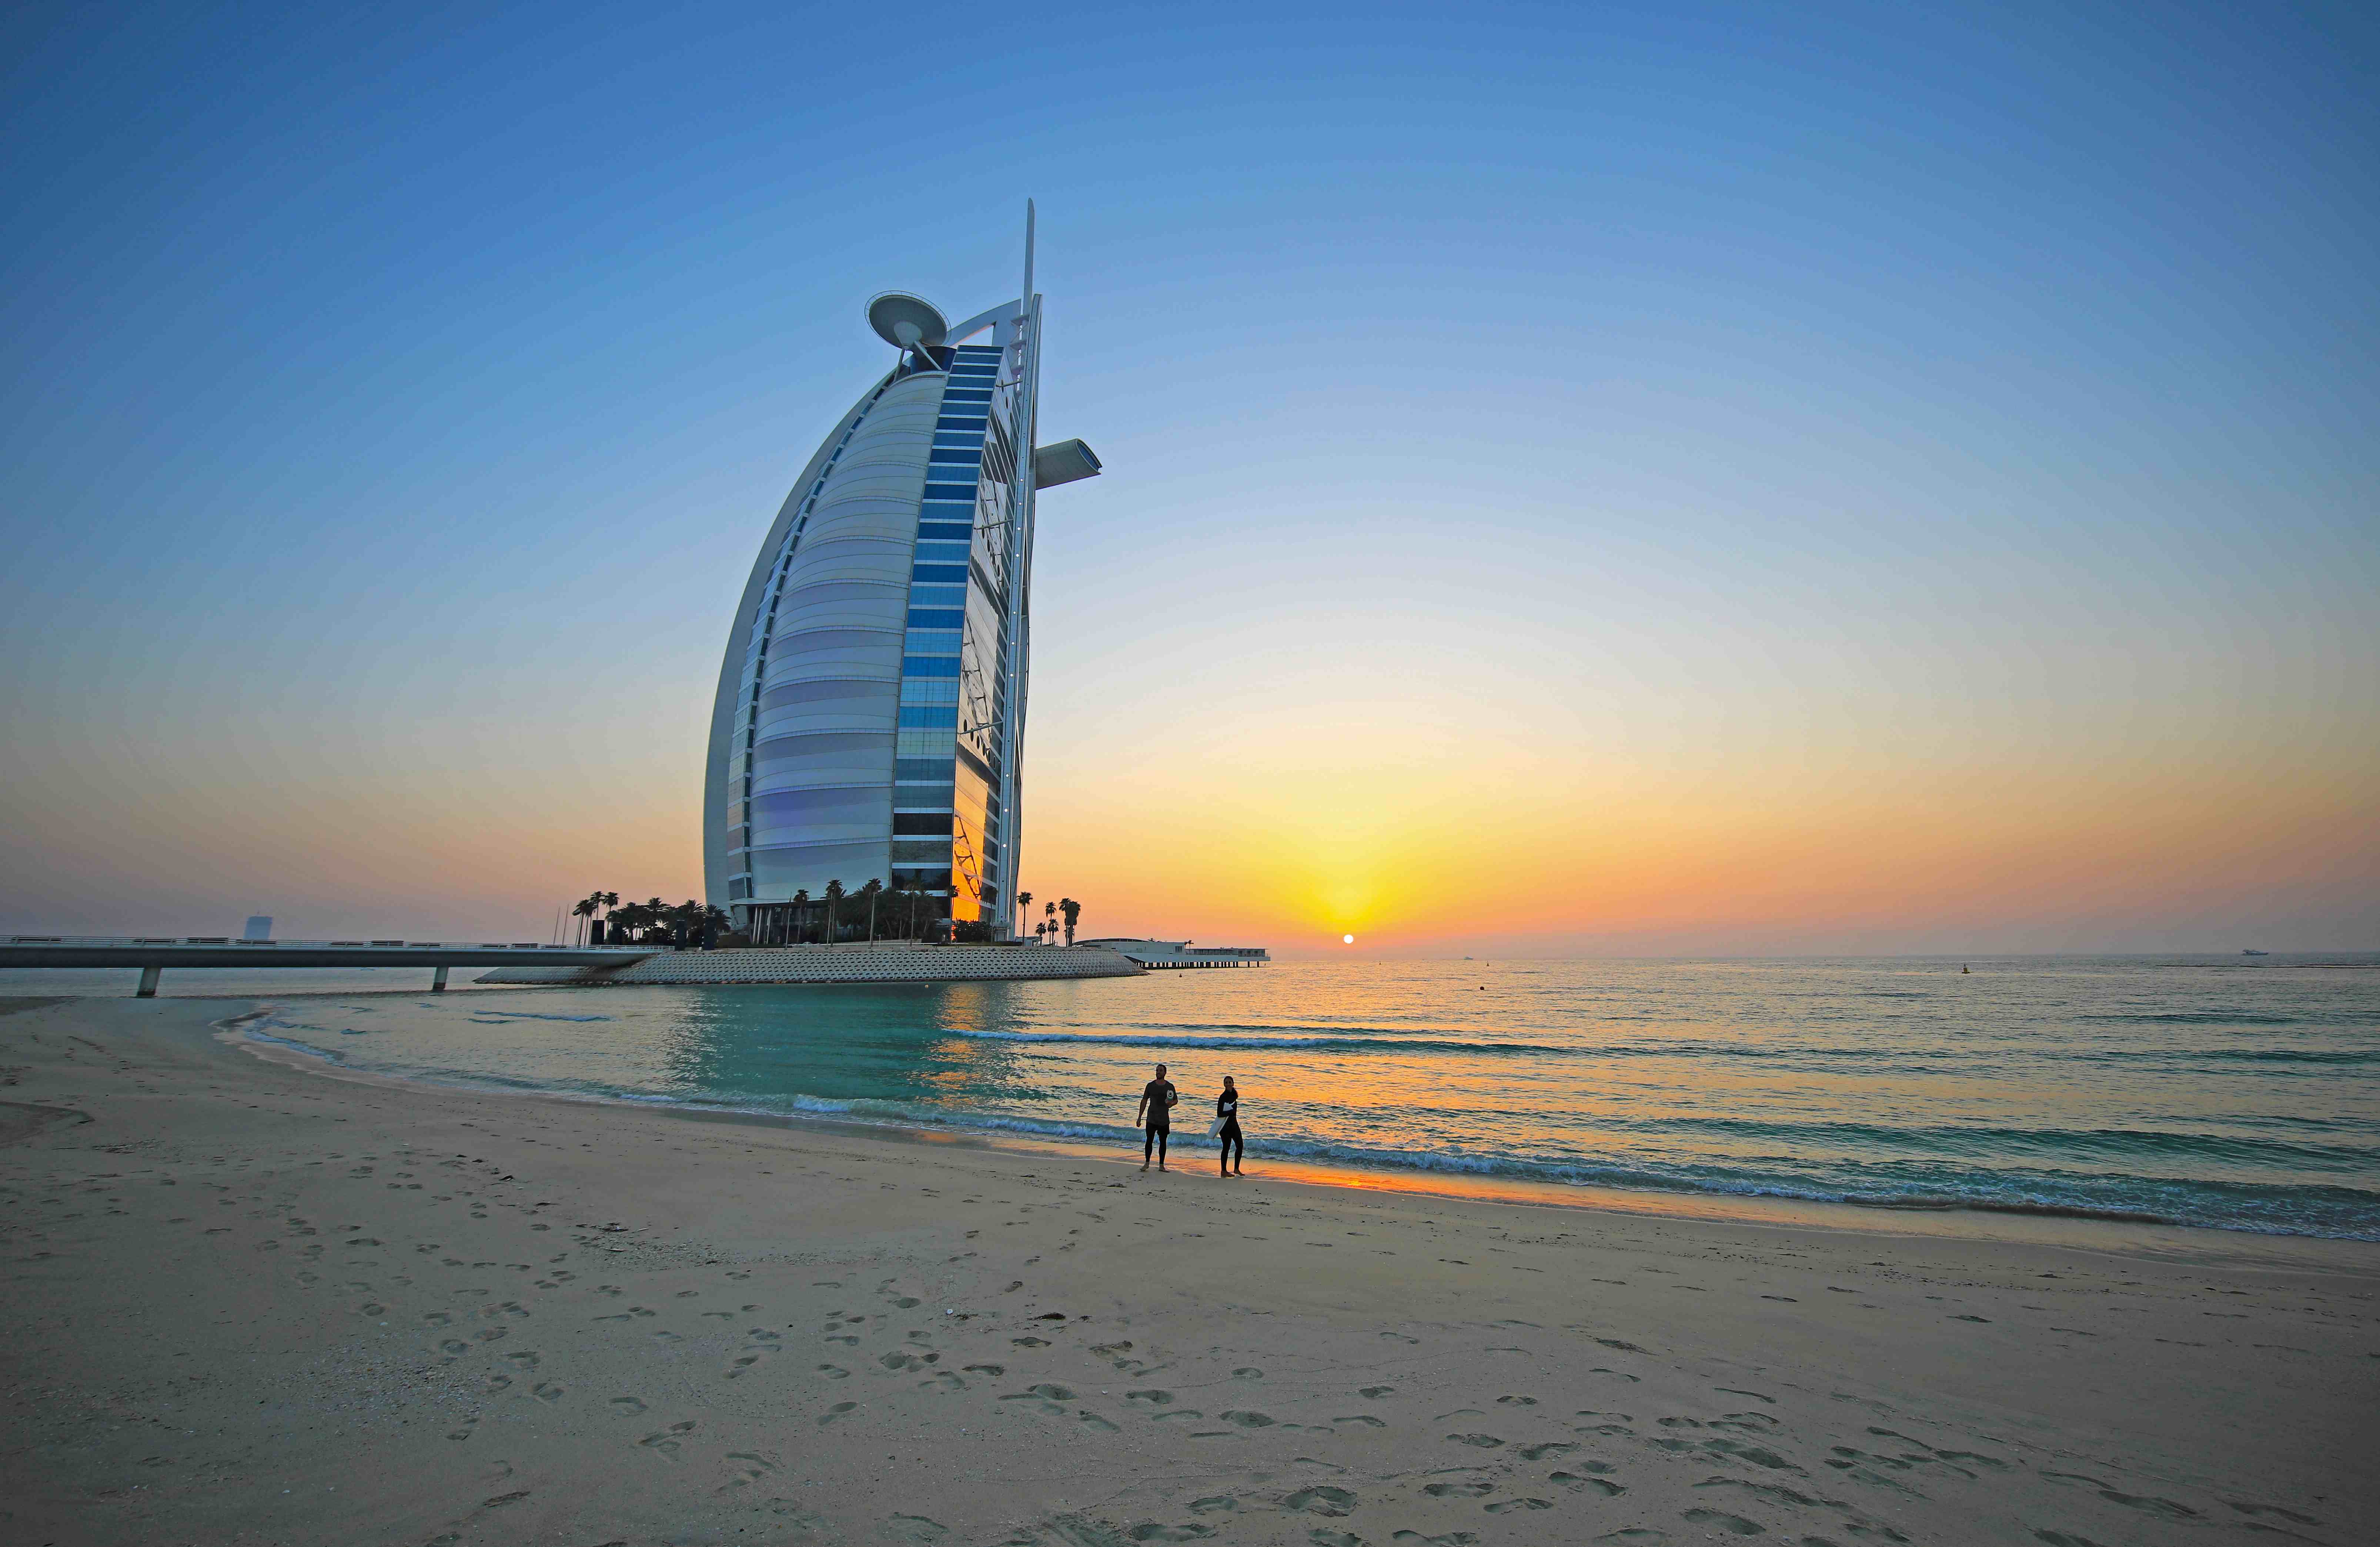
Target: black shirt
(1227, 1106)
(1161, 1098)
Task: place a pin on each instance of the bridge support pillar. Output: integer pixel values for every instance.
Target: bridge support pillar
(148, 989)
(438, 981)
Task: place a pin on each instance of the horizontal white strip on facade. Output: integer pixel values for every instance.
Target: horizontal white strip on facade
(880, 661)
(839, 508)
(804, 773)
(887, 608)
(799, 718)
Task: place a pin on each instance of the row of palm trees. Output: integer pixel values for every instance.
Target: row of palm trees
(836, 914)
(1048, 928)
(890, 914)
(649, 923)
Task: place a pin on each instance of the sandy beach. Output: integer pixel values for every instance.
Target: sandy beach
(251, 1299)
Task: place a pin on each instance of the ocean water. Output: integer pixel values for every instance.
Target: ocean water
(2236, 1093)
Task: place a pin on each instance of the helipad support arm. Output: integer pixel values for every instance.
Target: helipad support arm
(148, 976)
(1065, 462)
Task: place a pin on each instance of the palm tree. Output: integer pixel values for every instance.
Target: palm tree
(1025, 902)
(584, 909)
(834, 896)
(801, 914)
(1073, 910)
(1049, 917)
(609, 900)
(870, 889)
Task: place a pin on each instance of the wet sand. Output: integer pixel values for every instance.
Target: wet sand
(249, 1301)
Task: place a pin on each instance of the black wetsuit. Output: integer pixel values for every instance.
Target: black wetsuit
(1230, 1147)
(1158, 1099)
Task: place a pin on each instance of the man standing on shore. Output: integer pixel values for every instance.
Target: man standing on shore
(1156, 1118)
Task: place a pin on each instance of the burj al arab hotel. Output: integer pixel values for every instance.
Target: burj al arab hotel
(870, 716)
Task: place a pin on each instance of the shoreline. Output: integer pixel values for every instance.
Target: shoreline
(258, 1300)
(2045, 1224)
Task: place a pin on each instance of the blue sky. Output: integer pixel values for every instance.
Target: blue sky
(1820, 408)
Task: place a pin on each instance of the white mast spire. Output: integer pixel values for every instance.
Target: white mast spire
(1020, 579)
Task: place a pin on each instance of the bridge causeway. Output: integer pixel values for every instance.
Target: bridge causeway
(153, 955)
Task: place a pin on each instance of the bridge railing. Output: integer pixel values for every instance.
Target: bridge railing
(307, 944)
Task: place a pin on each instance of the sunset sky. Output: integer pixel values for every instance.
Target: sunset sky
(1651, 480)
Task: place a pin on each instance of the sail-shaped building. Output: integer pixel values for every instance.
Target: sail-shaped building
(870, 714)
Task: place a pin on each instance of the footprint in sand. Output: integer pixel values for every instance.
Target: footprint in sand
(741, 1363)
(1250, 1420)
(546, 1391)
(1576, 1483)
(915, 1528)
(496, 1383)
(755, 1467)
(1480, 1441)
(994, 1371)
(1366, 1419)
(1219, 1503)
(1247, 1372)
(1458, 1489)
(1754, 1454)
(454, 1347)
(1503, 1506)
(1516, 1401)
(465, 1431)
(1376, 1393)
(1635, 1536)
(1156, 1397)
(1540, 1452)
(841, 1409)
(1152, 1531)
(1095, 1421)
(438, 1319)
(626, 1406)
(1178, 1412)
(1021, 1342)
(1449, 1538)
(666, 1442)
(1720, 1520)
(834, 1371)
(523, 1362)
(2165, 1507)
(1322, 1538)
(1321, 1499)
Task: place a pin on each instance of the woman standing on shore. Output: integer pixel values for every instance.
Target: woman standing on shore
(1230, 1148)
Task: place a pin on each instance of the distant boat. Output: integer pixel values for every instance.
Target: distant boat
(2256, 953)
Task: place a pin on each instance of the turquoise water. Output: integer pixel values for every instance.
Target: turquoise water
(2188, 1090)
